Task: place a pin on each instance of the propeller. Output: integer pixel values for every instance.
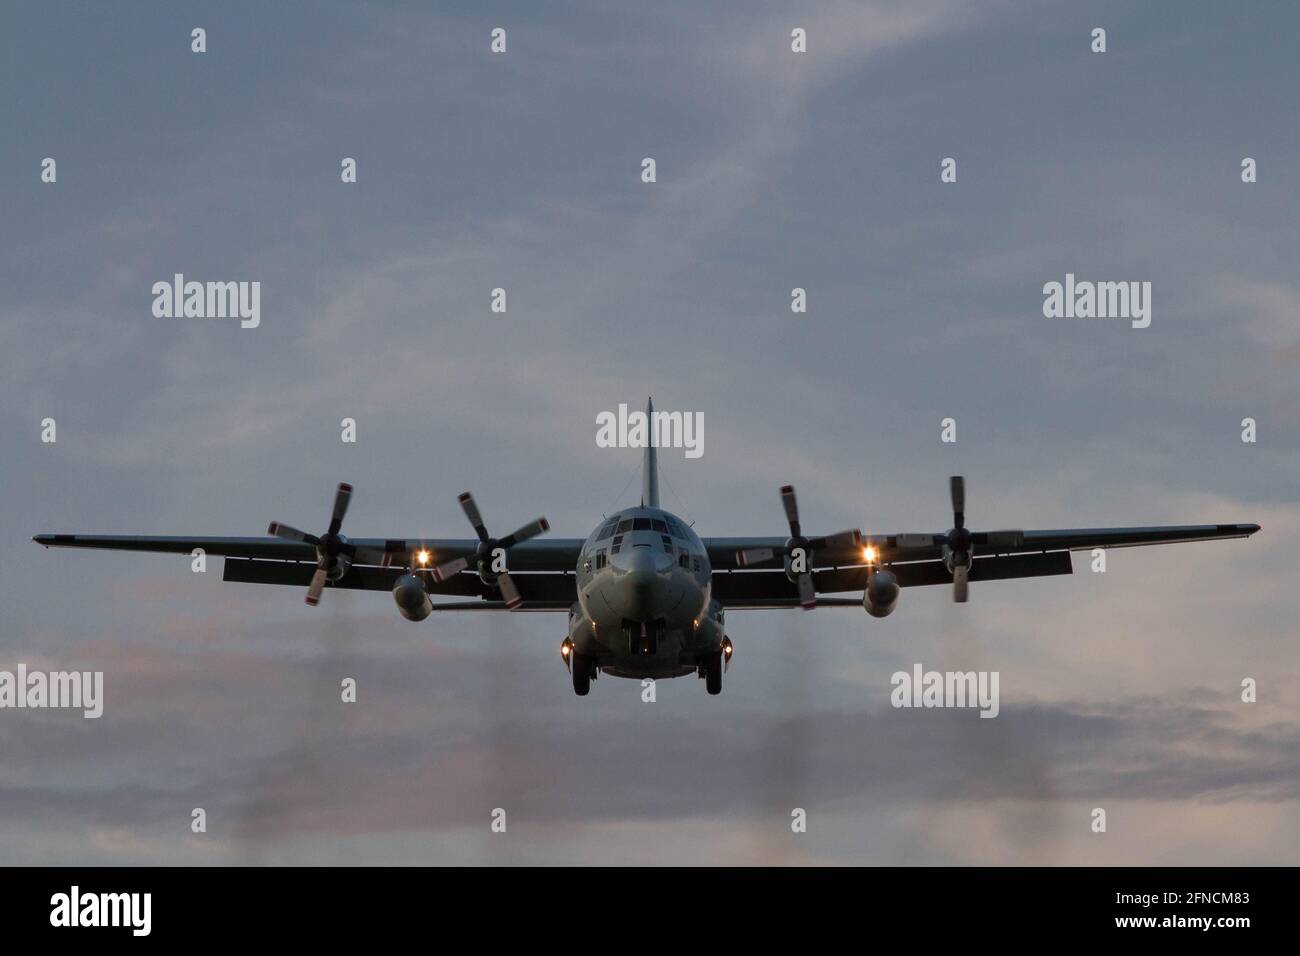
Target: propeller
(959, 543)
(484, 553)
(329, 546)
(842, 539)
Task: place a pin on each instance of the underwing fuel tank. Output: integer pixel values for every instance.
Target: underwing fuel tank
(412, 599)
(881, 596)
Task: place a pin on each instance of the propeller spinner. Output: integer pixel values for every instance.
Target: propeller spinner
(804, 546)
(485, 553)
(332, 549)
(959, 543)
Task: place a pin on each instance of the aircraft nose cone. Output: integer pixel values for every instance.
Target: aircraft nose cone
(644, 576)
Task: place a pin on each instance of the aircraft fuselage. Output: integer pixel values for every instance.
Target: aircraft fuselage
(644, 607)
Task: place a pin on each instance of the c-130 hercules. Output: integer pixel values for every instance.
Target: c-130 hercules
(646, 596)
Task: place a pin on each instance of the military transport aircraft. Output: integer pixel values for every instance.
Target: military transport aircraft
(646, 597)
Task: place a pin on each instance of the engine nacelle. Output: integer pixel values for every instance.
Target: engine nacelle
(340, 567)
(881, 595)
(412, 599)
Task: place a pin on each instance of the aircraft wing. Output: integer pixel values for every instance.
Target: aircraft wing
(913, 547)
(723, 553)
(542, 570)
(548, 554)
(772, 589)
(541, 591)
(890, 548)
(915, 560)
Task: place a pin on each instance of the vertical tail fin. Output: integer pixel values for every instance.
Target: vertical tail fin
(650, 463)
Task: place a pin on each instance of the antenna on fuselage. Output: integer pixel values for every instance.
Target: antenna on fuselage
(650, 462)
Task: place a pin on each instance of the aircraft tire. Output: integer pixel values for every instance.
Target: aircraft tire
(713, 674)
(581, 667)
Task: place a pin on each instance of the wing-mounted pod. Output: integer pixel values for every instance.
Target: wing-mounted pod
(411, 592)
(881, 594)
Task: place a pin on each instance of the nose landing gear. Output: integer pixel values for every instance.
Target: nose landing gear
(643, 638)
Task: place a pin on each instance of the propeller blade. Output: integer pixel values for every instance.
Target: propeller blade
(341, 499)
(1001, 539)
(471, 512)
(509, 593)
(754, 556)
(807, 593)
(906, 541)
(291, 534)
(957, 491)
(523, 534)
(960, 585)
(791, 509)
(450, 568)
(317, 585)
(841, 539)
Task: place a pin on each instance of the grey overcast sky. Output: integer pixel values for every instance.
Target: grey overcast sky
(775, 170)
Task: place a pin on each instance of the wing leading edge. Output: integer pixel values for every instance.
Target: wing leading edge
(547, 554)
(890, 548)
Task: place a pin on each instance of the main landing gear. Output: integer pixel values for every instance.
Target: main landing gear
(582, 668)
(712, 668)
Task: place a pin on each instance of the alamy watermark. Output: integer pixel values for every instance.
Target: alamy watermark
(624, 429)
(1082, 299)
(208, 300)
(129, 910)
(921, 688)
(82, 690)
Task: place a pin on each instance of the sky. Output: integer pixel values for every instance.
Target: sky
(775, 170)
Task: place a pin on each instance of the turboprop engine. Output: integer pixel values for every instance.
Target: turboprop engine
(412, 599)
(881, 595)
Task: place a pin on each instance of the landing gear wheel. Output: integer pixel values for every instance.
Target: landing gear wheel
(581, 667)
(713, 673)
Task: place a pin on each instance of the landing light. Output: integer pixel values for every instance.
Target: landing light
(424, 557)
(868, 554)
